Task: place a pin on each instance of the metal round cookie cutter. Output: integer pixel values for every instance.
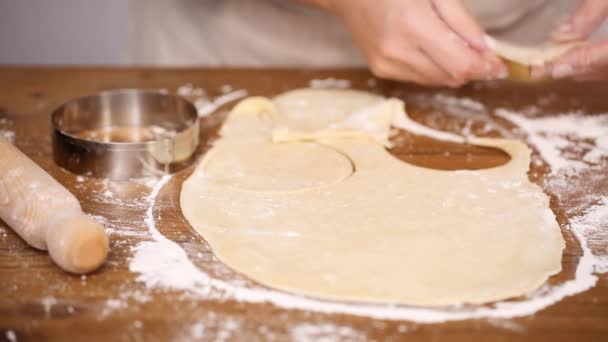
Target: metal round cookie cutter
(124, 134)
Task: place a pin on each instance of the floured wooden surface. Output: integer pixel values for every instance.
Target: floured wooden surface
(41, 302)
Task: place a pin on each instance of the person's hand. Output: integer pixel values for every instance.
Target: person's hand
(431, 42)
(589, 61)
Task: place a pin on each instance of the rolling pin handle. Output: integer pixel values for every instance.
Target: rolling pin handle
(77, 243)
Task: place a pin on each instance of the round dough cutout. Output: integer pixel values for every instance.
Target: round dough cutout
(268, 167)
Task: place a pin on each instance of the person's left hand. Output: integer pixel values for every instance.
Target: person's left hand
(588, 61)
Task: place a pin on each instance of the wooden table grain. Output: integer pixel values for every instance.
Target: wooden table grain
(38, 302)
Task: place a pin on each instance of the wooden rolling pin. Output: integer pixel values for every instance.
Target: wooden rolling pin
(46, 215)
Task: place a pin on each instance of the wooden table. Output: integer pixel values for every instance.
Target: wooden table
(40, 302)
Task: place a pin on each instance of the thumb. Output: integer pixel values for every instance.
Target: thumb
(585, 19)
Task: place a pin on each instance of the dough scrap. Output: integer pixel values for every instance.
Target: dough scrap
(531, 55)
(353, 115)
(390, 232)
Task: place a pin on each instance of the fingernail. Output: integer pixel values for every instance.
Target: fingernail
(480, 44)
(566, 36)
(489, 42)
(503, 74)
(564, 28)
(487, 67)
(488, 71)
(499, 70)
(538, 72)
(562, 71)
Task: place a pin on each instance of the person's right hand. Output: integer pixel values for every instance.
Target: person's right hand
(431, 42)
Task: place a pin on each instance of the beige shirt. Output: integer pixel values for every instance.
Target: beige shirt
(285, 33)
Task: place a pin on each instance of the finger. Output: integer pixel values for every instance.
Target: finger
(458, 19)
(416, 61)
(455, 15)
(540, 71)
(599, 75)
(585, 19)
(388, 68)
(413, 68)
(582, 60)
(431, 72)
(450, 51)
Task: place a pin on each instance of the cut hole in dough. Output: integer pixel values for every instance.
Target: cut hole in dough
(443, 156)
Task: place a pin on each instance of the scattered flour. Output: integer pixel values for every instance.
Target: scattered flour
(573, 145)
(419, 129)
(111, 192)
(47, 304)
(226, 88)
(160, 263)
(109, 195)
(465, 109)
(188, 90)
(197, 330)
(464, 104)
(602, 264)
(206, 107)
(592, 228)
(160, 259)
(553, 136)
(11, 336)
(8, 135)
(324, 333)
(118, 227)
(329, 83)
(112, 305)
(507, 325)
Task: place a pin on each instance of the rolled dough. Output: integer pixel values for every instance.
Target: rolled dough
(293, 216)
